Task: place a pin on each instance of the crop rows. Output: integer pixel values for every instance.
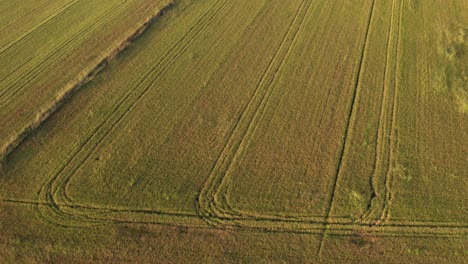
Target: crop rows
(212, 206)
(16, 85)
(159, 115)
(44, 10)
(118, 112)
(24, 73)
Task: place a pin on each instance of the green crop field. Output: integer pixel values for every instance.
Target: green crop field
(248, 131)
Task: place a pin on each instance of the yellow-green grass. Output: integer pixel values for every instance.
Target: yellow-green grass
(296, 132)
(284, 152)
(431, 169)
(405, 163)
(158, 81)
(17, 20)
(26, 239)
(40, 68)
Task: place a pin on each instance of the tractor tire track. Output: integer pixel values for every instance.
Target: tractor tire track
(62, 187)
(50, 188)
(206, 203)
(335, 229)
(398, 229)
(381, 134)
(252, 125)
(296, 218)
(393, 135)
(351, 120)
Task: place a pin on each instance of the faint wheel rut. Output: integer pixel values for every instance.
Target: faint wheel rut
(54, 205)
(82, 151)
(383, 145)
(208, 204)
(351, 121)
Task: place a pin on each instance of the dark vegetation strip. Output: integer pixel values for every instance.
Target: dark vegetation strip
(70, 89)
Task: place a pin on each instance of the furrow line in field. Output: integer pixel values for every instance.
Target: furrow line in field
(31, 30)
(381, 133)
(351, 120)
(16, 86)
(206, 203)
(179, 46)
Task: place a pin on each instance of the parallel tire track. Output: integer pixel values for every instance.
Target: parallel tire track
(61, 188)
(393, 135)
(219, 196)
(397, 229)
(77, 215)
(86, 147)
(351, 120)
(381, 134)
(207, 205)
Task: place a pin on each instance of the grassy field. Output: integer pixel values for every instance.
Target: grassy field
(234, 131)
(42, 63)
